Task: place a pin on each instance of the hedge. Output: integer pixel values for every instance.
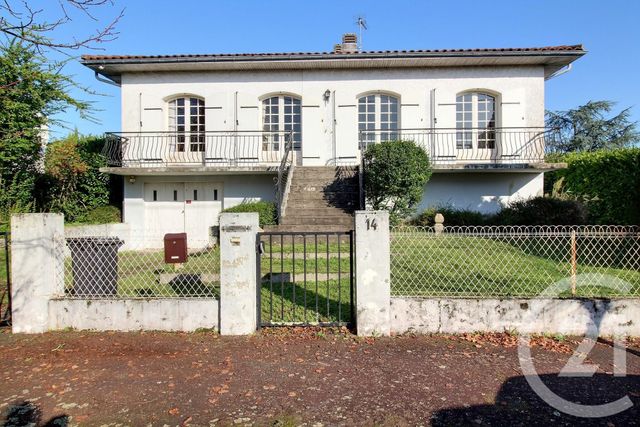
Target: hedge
(608, 181)
(266, 211)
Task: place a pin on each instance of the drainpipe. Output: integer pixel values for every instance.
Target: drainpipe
(104, 80)
(235, 126)
(560, 72)
(333, 126)
(140, 112)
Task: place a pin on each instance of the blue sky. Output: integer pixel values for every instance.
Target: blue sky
(608, 30)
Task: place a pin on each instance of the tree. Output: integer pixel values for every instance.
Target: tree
(74, 184)
(20, 21)
(395, 174)
(32, 92)
(588, 128)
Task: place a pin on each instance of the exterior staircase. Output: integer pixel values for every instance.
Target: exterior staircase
(321, 199)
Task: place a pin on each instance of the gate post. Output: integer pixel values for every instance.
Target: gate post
(238, 282)
(373, 273)
(36, 269)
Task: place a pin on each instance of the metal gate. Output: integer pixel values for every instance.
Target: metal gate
(305, 278)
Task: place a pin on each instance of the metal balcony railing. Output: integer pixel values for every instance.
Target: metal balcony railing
(473, 145)
(211, 148)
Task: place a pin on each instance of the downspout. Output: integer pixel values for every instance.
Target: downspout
(235, 126)
(105, 80)
(333, 127)
(140, 112)
(560, 72)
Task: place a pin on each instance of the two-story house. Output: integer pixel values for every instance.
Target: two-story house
(205, 132)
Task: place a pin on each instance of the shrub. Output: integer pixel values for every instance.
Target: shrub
(102, 215)
(395, 173)
(542, 211)
(266, 211)
(609, 181)
(452, 216)
(72, 183)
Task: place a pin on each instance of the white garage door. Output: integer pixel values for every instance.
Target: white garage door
(176, 207)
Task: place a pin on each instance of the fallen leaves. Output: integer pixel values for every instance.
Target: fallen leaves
(507, 340)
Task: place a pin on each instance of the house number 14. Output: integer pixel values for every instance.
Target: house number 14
(372, 224)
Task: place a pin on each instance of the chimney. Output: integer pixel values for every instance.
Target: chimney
(349, 43)
(337, 48)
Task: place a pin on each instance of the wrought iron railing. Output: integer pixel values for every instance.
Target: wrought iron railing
(284, 172)
(494, 145)
(211, 148)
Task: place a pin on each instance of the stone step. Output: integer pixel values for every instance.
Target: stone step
(321, 188)
(323, 211)
(325, 179)
(339, 196)
(321, 205)
(326, 173)
(345, 220)
(307, 229)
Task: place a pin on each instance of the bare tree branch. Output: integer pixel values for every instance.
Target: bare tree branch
(20, 21)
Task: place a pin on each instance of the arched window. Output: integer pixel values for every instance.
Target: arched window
(186, 120)
(475, 121)
(378, 117)
(281, 115)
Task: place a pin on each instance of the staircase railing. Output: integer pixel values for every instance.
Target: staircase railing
(284, 172)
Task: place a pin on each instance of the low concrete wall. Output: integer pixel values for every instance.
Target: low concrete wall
(563, 316)
(132, 315)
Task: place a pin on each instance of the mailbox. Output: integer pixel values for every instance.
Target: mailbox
(175, 248)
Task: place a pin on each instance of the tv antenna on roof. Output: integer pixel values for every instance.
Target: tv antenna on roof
(361, 22)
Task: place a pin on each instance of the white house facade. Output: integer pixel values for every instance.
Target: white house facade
(201, 133)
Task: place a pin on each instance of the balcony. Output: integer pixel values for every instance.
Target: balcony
(243, 150)
(264, 151)
(495, 148)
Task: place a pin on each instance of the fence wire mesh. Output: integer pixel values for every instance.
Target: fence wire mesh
(490, 261)
(98, 267)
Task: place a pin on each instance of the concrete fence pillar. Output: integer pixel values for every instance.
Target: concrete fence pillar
(373, 273)
(238, 278)
(36, 269)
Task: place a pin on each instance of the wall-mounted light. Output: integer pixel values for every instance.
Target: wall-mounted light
(326, 95)
(132, 179)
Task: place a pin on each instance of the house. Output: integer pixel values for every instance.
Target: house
(205, 132)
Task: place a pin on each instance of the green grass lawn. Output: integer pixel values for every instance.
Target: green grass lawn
(422, 265)
(428, 265)
(311, 302)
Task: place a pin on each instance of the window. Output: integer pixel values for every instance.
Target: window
(378, 118)
(281, 115)
(186, 121)
(475, 121)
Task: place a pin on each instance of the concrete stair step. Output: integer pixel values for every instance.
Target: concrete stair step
(346, 220)
(321, 188)
(322, 211)
(307, 229)
(329, 195)
(321, 205)
(325, 182)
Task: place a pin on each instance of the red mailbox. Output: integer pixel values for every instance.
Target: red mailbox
(175, 248)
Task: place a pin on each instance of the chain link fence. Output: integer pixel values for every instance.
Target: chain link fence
(98, 267)
(489, 261)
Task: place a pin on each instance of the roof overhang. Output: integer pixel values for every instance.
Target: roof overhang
(551, 59)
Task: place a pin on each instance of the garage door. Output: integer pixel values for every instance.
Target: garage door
(176, 207)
